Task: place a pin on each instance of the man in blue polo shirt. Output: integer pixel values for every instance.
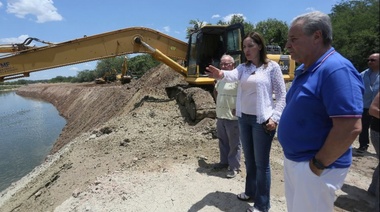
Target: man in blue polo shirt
(322, 116)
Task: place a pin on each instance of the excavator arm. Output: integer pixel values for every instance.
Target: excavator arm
(23, 61)
(19, 47)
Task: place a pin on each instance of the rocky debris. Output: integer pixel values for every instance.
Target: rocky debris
(132, 147)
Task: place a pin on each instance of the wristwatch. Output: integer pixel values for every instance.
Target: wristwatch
(318, 164)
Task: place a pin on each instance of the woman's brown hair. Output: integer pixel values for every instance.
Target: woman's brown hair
(259, 40)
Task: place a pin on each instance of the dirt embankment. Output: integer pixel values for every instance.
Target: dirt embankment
(131, 148)
(87, 106)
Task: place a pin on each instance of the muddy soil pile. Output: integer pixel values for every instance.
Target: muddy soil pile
(132, 148)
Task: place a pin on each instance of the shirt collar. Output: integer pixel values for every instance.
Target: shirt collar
(301, 69)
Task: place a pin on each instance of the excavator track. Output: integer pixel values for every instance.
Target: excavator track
(198, 102)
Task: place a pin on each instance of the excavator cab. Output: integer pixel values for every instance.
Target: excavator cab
(206, 47)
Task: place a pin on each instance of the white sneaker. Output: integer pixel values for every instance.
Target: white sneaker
(231, 173)
(253, 209)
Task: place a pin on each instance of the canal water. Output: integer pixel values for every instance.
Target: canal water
(28, 130)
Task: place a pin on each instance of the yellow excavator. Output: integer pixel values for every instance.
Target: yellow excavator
(124, 77)
(113, 75)
(205, 46)
(105, 78)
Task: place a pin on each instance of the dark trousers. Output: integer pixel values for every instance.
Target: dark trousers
(364, 135)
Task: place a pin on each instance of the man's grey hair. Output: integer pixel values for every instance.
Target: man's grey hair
(228, 56)
(315, 21)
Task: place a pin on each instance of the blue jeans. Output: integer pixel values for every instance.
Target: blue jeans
(256, 147)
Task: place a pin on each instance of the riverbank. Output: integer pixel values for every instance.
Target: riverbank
(131, 148)
(9, 87)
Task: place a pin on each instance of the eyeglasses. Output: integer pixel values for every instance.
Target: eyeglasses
(371, 60)
(225, 64)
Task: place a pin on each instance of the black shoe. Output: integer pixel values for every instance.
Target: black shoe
(362, 149)
(220, 166)
(371, 192)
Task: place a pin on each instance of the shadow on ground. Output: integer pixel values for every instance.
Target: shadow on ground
(353, 202)
(208, 168)
(363, 154)
(221, 200)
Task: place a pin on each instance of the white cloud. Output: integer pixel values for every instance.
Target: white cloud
(310, 9)
(88, 64)
(167, 29)
(74, 68)
(229, 17)
(19, 39)
(215, 16)
(43, 10)
(1, 4)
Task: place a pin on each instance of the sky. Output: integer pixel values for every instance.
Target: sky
(63, 20)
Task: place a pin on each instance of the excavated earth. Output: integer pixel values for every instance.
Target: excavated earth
(132, 148)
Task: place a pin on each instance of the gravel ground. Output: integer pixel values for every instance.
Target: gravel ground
(131, 148)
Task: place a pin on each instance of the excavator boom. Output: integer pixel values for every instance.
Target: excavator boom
(88, 48)
(205, 46)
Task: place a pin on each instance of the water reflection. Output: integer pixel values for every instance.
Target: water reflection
(28, 130)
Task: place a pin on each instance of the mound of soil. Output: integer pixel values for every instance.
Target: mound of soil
(132, 148)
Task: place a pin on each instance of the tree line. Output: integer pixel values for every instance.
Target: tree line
(355, 35)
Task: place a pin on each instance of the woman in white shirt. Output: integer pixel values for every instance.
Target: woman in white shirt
(258, 114)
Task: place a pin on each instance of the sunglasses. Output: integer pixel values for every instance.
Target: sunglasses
(371, 60)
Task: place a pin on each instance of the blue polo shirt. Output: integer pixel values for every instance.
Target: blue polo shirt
(331, 87)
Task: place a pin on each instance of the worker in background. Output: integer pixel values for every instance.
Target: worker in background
(227, 125)
(371, 87)
(322, 116)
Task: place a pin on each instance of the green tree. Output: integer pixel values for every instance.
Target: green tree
(140, 64)
(248, 26)
(356, 30)
(86, 76)
(109, 65)
(274, 31)
(58, 79)
(195, 25)
(234, 20)
(137, 65)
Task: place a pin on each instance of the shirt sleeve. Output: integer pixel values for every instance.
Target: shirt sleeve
(342, 93)
(233, 75)
(279, 90)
